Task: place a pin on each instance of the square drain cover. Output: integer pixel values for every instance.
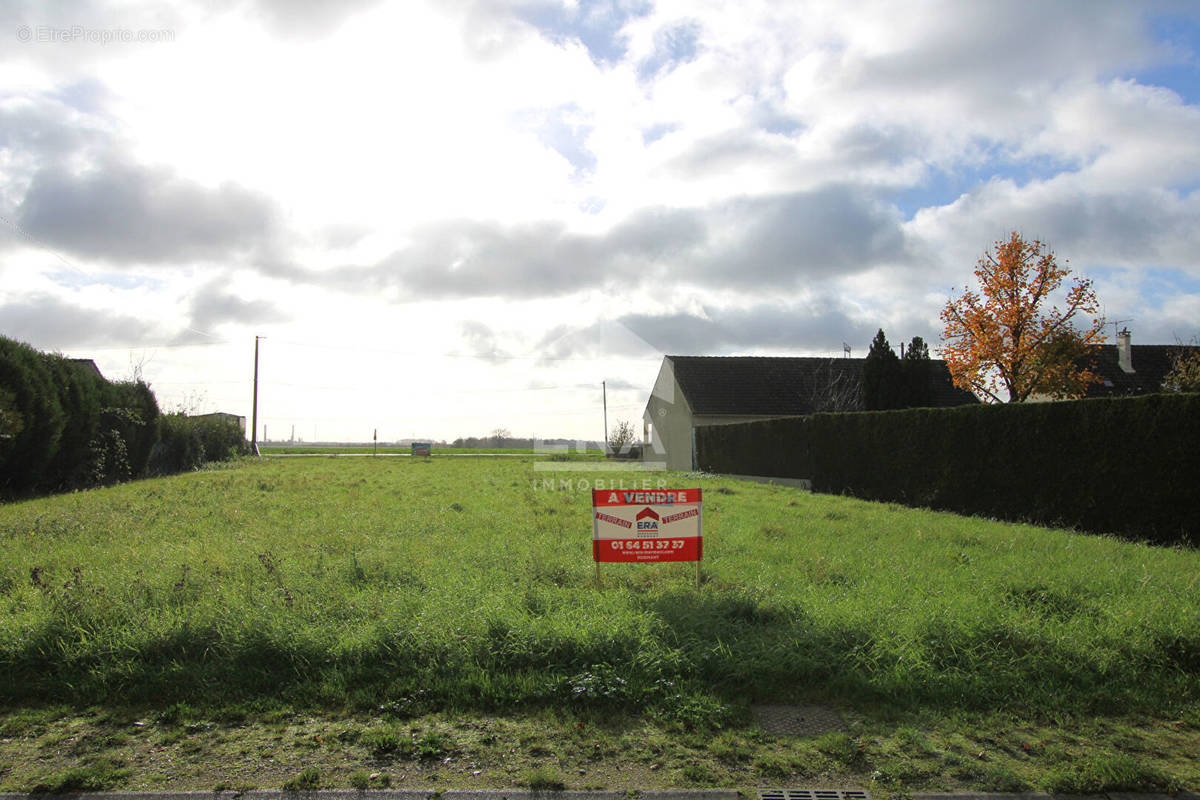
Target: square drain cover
(813, 794)
(798, 721)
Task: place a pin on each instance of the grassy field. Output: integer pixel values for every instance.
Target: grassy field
(435, 623)
(363, 449)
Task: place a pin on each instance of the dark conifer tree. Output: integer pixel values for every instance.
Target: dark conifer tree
(881, 376)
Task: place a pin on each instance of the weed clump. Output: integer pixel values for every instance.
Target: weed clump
(1098, 773)
(306, 780)
(544, 778)
(841, 748)
(90, 778)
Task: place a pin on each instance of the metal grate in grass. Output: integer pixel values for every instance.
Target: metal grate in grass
(813, 794)
(798, 720)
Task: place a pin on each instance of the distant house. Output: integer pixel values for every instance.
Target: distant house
(87, 365)
(1125, 368)
(693, 391)
(224, 417)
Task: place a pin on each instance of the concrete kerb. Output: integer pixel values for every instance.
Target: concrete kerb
(1043, 796)
(795, 483)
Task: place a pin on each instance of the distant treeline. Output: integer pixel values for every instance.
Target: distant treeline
(64, 426)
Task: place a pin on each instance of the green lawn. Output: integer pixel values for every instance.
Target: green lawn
(339, 599)
(366, 448)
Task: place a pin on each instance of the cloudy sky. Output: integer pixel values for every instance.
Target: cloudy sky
(461, 215)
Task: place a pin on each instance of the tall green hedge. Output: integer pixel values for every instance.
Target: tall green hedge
(776, 448)
(37, 419)
(1129, 466)
(65, 426)
(187, 443)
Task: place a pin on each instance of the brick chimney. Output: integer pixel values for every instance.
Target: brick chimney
(1124, 351)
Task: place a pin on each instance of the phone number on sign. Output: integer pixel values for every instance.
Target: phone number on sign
(648, 544)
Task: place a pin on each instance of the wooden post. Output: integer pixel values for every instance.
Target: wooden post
(254, 413)
(604, 391)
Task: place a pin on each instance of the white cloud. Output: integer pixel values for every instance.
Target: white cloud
(466, 181)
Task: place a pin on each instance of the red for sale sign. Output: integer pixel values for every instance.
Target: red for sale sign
(658, 525)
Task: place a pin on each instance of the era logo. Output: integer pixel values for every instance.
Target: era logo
(647, 520)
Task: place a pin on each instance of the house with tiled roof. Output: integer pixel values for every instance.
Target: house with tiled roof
(693, 391)
(1125, 368)
(86, 364)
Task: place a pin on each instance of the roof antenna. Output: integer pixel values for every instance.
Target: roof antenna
(845, 350)
(1117, 322)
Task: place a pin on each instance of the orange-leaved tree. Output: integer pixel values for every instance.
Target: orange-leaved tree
(1004, 337)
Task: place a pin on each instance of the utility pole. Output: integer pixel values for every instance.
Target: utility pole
(604, 390)
(254, 421)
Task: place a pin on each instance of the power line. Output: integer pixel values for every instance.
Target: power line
(33, 240)
(200, 383)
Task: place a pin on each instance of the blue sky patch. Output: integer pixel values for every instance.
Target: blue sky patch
(1181, 34)
(655, 132)
(596, 24)
(942, 187)
(1183, 79)
(569, 139)
(78, 279)
(1162, 284)
(87, 95)
(672, 46)
(783, 125)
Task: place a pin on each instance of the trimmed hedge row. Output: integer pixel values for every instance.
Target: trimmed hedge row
(775, 448)
(65, 426)
(1129, 466)
(188, 443)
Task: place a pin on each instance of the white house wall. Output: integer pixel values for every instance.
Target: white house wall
(669, 419)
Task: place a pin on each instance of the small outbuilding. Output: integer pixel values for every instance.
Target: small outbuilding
(692, 391)
(226, 418)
